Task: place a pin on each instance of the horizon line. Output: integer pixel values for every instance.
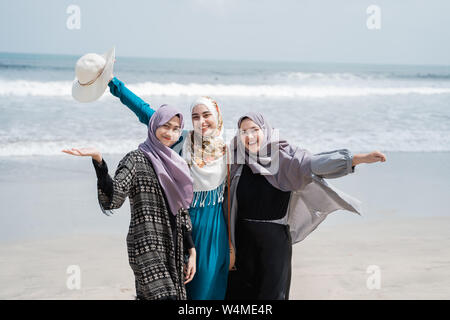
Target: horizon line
(240, 60)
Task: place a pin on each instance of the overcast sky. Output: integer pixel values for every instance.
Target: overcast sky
(412, 31)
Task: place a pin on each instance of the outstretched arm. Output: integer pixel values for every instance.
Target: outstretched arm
(112, 192)
(338, 163)
(140, 108)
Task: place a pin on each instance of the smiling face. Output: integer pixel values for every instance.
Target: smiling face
(251, 135)
(203, 120)
(169, 132)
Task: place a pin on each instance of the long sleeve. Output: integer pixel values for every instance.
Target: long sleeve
(141, 108)
(188, 242)
(104, 181)
(187, 231)
(112, 192)
(332, 164)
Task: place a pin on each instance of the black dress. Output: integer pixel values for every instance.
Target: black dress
(263, 248)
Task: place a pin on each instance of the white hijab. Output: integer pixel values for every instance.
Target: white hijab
(207, 174)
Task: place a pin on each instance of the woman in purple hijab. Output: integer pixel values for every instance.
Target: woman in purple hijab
(278, 196)
(158, 183)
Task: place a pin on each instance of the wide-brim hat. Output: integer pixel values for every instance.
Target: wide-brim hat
(93, 72)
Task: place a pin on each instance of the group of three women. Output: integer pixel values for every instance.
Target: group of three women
(194, 200)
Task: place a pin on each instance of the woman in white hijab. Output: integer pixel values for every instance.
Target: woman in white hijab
(205, 153)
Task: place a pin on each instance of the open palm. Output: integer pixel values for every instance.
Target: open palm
(375, 156)
(85, 152)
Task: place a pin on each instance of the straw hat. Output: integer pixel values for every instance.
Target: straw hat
(93, 72)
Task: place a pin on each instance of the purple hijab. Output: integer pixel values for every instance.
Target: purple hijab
(172, 171)
(286, 167)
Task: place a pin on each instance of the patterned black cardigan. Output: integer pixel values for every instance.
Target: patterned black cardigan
(157, 240)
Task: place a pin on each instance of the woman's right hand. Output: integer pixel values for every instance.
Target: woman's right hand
(85, 152)
(190, 267)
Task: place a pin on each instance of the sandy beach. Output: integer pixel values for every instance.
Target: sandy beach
(412, 256)
(51, 220)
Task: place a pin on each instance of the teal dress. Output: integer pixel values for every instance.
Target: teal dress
(210, 236)
(209, 227)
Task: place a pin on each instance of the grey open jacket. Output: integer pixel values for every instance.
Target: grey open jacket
(309, 206)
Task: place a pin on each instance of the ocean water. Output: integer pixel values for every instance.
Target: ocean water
(317, 106)
(403, 111)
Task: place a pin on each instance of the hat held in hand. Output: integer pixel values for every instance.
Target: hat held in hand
(93, 72)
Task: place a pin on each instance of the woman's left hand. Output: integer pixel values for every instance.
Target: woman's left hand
(190, 267)
(374, 156)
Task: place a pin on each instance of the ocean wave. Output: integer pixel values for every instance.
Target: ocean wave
(35, 88)
(63, 89)
(52, 148)
(280, 91)
(366, 73)
(398, 142)
(359, 76)
(325, 76)
(23, 67)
